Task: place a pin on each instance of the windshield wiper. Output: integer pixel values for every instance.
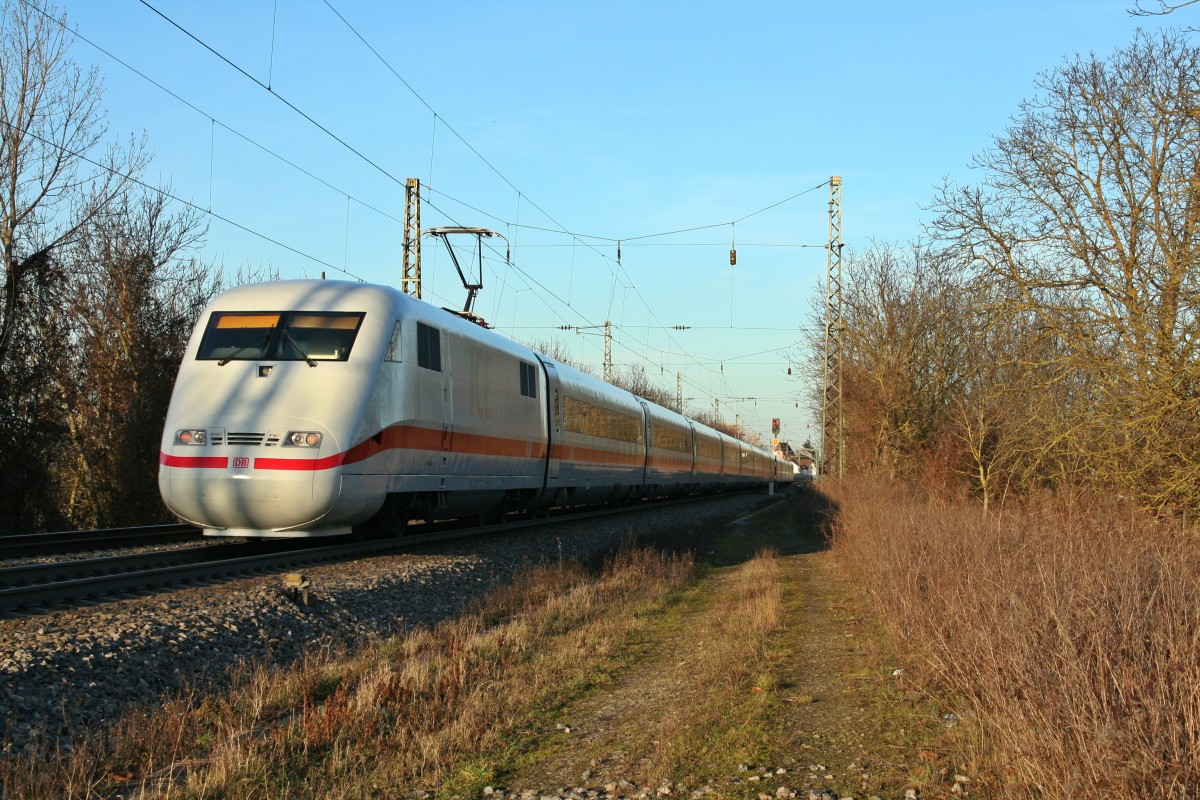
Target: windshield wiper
(299, 349)
(231, 356)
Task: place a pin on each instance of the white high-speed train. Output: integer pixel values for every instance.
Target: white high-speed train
(305, 408)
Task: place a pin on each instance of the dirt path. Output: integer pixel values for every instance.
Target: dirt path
(807, 704)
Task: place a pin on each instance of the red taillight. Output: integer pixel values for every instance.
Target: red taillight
(192, 437)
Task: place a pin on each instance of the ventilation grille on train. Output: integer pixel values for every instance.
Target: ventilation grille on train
(244, 438)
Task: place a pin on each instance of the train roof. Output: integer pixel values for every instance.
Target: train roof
(303, 295)
(338, 295)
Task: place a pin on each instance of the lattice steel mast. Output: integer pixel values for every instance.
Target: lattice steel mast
(833, 442)
(410, 280)
(608, 365)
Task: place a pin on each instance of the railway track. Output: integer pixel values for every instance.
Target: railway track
(31, 588)
(38, 588)
(40, 544)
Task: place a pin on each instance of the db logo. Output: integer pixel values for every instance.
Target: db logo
(241, 463)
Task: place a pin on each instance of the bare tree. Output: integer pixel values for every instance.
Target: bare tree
(1003, 423)
(1087, 217)
(31, 409)
(635, 380)
(132, 301)
(53, 182)
(904, 343)
(1158, 8)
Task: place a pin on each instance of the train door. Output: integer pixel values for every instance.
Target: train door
(694, 474)
(447, 400)
(648, 437)
(554, 450)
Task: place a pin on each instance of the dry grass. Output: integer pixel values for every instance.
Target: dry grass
(1066, 632)
(405, 714)
(724, 668)
(684, 704)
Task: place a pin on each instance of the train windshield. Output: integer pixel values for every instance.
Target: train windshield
(279, 336)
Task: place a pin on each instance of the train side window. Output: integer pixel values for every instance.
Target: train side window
(429, 347)
(583, 417)
(528, 380)
(394, 353)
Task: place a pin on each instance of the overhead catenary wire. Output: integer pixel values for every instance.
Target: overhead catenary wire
(272, 92)
(619, 267)
(424, 102)
(138, 181)
(449, 127)
(504, 178)
(218, 123)
(565, 303)
(686, 244)
(329, 132)
(529, 280)
(624, 241)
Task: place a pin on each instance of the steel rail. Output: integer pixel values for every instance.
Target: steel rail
(51, 572)
(37, 544)
(99, 579)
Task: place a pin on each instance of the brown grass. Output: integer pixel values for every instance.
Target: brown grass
(725, 661)
(1065, 633)
(686, 701)
(403, 715)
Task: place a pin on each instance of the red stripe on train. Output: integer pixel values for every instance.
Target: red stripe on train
(309, 464)
(193, 462)
(406, 437)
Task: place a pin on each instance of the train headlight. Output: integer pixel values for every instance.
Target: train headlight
(192, 437)
(304, 439)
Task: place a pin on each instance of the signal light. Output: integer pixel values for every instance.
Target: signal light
(733, 258)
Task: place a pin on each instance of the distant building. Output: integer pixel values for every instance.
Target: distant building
(801, 458)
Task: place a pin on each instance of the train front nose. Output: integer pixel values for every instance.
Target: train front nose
(248, 475)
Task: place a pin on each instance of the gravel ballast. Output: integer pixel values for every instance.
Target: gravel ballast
(66, 672)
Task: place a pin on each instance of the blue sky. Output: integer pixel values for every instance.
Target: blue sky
(608, 121)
